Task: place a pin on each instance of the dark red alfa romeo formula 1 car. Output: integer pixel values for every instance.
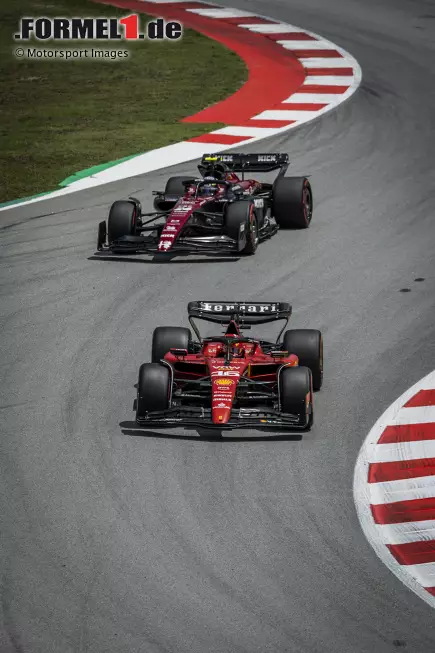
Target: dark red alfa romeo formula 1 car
(231, 381)
(219, 212)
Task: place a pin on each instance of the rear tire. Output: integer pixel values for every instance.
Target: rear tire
(296, 393)
(153, 389)
(122, 220)
(166, 338)
(292, 202)
(307, 344)
(236, 215)
(175, 186)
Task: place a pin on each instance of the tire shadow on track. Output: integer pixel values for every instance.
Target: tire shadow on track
(207, 435)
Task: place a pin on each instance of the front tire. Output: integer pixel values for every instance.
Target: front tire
(296, 394)
(166, 338)
(241, 223)
(292, 202)
(122, 220)
(175, 186)
(307, 344)
(153, 389)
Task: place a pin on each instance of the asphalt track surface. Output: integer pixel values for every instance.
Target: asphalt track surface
(114, 540)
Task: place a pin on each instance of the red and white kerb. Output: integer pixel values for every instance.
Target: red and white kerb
(394, 488)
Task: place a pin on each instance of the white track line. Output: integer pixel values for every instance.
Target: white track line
(324, 62)
(306, 45)
(279, 28)
(165, 2)
(418, 415)
(222, 13)
(236, 130)
(328, 80)
(312, 98)
(423, 574)
(284, 114)
(403, 490)
(418, 531)
(388, 453)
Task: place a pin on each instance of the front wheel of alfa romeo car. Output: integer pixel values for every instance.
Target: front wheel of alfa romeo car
(153, 389)
(166, 338)
(292, 202)
(175, 186)
(307, 344)
(122, 220)
(296, 393)
(241, 225)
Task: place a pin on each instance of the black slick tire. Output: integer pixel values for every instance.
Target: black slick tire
(296, 394)
(175, 186)
(307, 344)
(153, 389)
(292, 202)
(166, 338)
(122, 220)
(240, 219)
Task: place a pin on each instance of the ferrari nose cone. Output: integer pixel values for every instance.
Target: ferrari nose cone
(221, 415)
(223, 390)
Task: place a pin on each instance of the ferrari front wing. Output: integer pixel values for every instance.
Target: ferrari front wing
(188, 416)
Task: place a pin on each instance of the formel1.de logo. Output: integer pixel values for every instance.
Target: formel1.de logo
(96, 29)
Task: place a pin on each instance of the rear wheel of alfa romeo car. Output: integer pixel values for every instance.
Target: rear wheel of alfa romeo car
(166, 338)
(292, 202)
(122, 220)
(153, 388)
(296, 393)
(307, 344)
(240, 220)
(175, 186)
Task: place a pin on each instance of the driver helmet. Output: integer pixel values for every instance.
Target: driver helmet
(238, 350)
(210, 187)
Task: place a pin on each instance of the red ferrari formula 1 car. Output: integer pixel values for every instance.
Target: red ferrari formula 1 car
(218, 213)
(231, 381)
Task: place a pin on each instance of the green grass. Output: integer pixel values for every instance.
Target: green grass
(58, 117)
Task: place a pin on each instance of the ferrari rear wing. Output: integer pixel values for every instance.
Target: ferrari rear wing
(249, 162)
(249, 312)
(243, 313)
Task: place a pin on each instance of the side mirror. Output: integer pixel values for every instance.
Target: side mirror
(178, 352)
(279, 354)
